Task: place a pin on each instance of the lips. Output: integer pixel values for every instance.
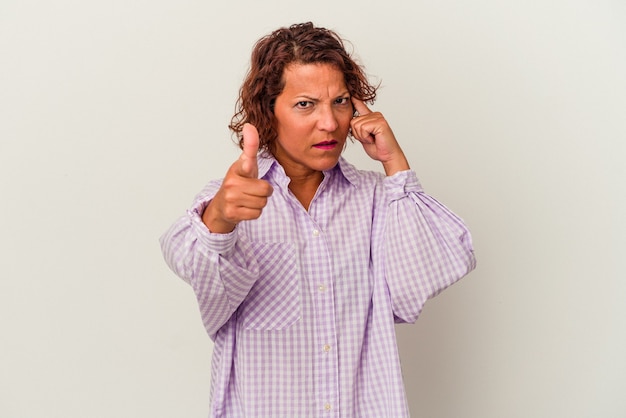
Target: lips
(326, 145)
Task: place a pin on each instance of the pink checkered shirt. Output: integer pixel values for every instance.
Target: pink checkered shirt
(301, 305)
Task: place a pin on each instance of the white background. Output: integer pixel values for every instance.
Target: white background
(113, 114)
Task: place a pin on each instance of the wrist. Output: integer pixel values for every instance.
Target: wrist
(215, 223)
(394, 165)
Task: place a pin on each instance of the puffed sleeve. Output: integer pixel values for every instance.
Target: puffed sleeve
(217, 266)
(426, 247)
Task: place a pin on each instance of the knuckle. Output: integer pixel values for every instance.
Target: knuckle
(230, 195)
(230, 213)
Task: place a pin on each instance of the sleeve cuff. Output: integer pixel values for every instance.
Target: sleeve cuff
(218, 243)
(402, 183)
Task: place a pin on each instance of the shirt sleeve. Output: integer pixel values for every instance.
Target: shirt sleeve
(426, 247)
(215, 265)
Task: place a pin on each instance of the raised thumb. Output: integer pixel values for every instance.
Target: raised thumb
(249, 167)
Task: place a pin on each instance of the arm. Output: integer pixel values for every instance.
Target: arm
(204, 247)
(219, 267)
(426, 247)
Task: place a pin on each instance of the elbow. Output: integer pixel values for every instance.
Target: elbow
(177, 260)
(468, 259)
(406, 310)
(470, 262)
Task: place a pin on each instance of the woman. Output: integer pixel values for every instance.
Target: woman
(301, 263)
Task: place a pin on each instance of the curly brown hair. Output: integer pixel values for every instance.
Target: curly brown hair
(301, 43)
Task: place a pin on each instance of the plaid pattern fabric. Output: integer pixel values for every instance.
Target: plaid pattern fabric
(301, 305)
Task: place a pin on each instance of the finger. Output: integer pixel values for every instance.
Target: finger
(249, 167)
(360, 107)
(246, 214)
(364, 135)
(364, 128)
(256, 188)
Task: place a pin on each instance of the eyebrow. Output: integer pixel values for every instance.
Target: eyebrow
(315, 99)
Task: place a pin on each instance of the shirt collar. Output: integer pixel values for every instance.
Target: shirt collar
(266, 161)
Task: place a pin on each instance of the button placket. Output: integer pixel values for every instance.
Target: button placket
(322, 285)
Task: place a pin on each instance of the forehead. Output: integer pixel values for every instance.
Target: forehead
(313, 79)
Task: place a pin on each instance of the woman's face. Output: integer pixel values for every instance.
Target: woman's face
(312, 118)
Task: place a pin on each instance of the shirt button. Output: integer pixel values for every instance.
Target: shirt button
(327, 406)
(321, 288)
(326, 348)
(316, 233)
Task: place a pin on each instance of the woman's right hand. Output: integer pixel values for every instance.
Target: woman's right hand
(242, 195)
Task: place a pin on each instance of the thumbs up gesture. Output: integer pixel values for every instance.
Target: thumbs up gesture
(248, 167)
(242, 195)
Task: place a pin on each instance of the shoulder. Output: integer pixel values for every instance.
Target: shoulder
(359, 178)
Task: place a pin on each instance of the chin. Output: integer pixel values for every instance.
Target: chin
(326, 164)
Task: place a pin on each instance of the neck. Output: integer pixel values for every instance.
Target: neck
(304, 187)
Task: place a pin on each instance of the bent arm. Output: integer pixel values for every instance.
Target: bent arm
(426, 247)
(217, 266)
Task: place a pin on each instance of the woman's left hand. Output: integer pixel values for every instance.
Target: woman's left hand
(374, 133)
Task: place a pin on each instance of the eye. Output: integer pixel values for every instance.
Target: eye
(304, 104)
(342, 100)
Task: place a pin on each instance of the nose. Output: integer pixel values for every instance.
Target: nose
(327, 120)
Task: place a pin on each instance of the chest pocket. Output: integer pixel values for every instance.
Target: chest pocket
(274, 302)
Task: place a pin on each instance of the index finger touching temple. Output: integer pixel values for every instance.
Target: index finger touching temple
(360, 107)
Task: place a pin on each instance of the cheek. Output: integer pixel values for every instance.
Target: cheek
(344, 121)
(285, 126)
